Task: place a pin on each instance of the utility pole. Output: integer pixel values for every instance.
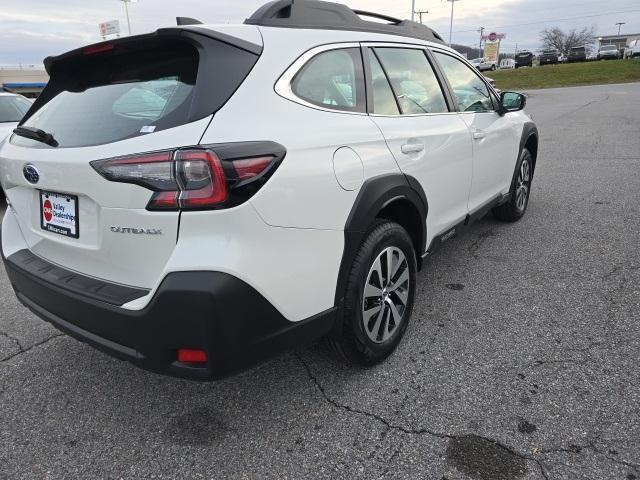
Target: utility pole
(481, 30)
(126, 10)
(619, 24)
(413, 10)
(451, 23)
(420, 13)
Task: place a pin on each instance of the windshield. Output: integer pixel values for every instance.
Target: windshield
(608, 47)
(12, 109)
(550, 52)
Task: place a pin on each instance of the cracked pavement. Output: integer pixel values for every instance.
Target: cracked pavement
(521, 361)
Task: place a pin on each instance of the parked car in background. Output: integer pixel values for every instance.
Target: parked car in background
(562, 58)
(633, 49)
(492, 82)
(592, 56)
(482, 64)
(507, 63)
(549, 57)
(524, 59)
(608, 52)
(577, 54)
(12, 109)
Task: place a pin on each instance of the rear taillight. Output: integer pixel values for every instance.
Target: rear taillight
(197, 178)
(201, 179)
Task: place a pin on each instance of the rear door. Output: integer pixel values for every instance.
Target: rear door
(429, 142)
(121, 99)
(495, 137)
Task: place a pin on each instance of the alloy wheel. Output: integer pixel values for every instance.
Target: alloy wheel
(523, 184)
(386, 294)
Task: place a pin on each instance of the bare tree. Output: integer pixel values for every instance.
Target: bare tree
(565, 41)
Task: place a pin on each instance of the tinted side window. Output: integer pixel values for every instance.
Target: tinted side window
(471, 93)
(334, 80)
(413, 80)
(384, 101)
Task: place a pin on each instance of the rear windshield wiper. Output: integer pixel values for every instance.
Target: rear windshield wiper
(36, 134)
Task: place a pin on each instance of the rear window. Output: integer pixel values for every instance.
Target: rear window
(143, 86)
(13, 108)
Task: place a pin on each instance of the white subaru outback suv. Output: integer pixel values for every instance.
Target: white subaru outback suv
(199, 199)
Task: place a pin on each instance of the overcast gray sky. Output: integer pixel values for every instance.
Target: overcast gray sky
(33, 29)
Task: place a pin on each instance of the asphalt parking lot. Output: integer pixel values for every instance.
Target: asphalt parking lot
(522, 361)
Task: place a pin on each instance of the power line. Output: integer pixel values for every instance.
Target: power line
(554, 20)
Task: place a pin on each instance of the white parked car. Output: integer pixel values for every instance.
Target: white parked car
(12, 108)
(201, 198)
(633, 49)
(507, 64)
(483, 64)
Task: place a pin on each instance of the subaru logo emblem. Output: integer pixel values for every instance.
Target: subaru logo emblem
(31, 174)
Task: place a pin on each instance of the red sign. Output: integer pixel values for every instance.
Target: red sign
(493, 36)
(47, 210)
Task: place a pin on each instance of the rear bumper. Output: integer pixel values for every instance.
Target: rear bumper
(212, 311)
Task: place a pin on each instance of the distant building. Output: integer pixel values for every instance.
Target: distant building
(620, 41)
(26, 80)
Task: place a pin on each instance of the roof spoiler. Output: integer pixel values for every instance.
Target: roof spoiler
(335, 16)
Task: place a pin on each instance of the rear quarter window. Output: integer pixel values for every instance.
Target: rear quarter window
(333, 80)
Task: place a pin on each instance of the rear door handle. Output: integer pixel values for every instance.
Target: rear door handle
(479, 135)
(412, 148)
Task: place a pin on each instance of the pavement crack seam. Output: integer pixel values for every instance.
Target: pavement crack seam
(408, 431)
(588, 104)
(474, 247)
(577, 449)
(25, 350)
(13, 339)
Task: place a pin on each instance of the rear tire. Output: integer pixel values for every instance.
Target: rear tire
(378, 304)
(520, 191)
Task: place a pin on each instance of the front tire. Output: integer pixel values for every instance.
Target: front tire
(520, 191)
(379, 296)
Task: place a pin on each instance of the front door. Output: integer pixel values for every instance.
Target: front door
(495, 137)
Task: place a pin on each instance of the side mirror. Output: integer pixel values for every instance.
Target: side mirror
(511, 102)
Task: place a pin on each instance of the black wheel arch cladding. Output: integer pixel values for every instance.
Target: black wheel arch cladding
(376, 194)
(529, 140)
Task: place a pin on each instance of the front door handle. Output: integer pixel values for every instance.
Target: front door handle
(479, 135)
(412, 148)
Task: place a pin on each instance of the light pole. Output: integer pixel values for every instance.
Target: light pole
(481, 30)
(619, 24)
(126, 10)
(413, 10)
(451, 24)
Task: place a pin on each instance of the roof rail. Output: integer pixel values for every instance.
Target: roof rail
(187, 21)
(335, 16)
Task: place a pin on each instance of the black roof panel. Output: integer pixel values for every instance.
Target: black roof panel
(335, 16)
